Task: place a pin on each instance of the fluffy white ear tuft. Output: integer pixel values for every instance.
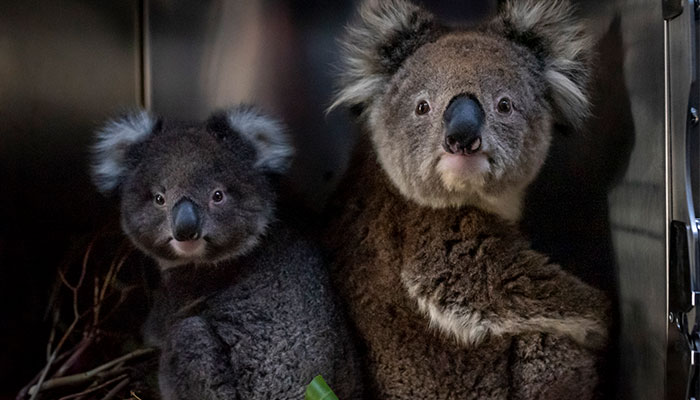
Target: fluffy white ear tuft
(383, 35)
(109, 153)
(268, 136)
(549, 28)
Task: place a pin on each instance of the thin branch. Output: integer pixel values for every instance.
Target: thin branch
(64, 280)
(25, 390)
(115, 390)
(80, 349)
(43, 376)
(51, 375)
(95, 388)
(134, 395)
(51, 360)
(52, 335)
(101, 292)
(95, 300)
(83, 272)
(85, 376)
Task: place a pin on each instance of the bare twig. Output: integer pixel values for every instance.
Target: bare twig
(104, 288)
(43, 375)
(96, 300)
(52, 335)
(95, 388)
(79, 350)
(101, 292)
(115, 390)
(51, 360)
(134, 395)
(25, 390)
(85, 376)
(76, 317)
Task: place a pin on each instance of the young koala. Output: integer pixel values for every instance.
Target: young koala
(448, 297)
(246, 310)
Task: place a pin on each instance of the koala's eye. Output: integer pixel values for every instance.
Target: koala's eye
(504, 106)
(218, 196)
(159, 199)
(422, 108)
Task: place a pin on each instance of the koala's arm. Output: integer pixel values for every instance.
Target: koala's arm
(547, 366)
(478, 282)
(195, 364)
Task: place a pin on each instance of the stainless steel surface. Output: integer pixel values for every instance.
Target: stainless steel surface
(680, 74)
(682, 172)
(631, 66)
(64, 67)
(599, 207)
(638, 208)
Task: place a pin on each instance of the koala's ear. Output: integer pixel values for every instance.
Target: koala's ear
(383, 35)
(111, 150)
(559, 40)
(273, 149)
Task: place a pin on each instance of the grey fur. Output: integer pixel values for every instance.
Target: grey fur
(246, 312)
(113, 141)
(565, 49)
(385, 33)
(264, 337)
(534, 53)
(267, 135)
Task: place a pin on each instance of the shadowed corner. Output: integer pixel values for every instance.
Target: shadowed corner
(567, 214)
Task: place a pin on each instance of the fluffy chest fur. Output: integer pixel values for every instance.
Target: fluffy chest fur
(401, 268)
(259, 327)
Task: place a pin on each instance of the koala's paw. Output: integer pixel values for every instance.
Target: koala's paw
(553, 367)
(194, 363)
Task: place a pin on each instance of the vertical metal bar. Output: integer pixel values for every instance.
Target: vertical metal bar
(143, 58)
(680, 81)
(667, 172)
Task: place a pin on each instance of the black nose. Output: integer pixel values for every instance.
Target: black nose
(186, 222)
(463, 120)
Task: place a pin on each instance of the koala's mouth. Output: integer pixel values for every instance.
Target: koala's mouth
(459, 172)
(463, 164)
(188, 248)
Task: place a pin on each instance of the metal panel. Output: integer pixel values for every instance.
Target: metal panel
(64, 67)
(599, 207)
(638, 204)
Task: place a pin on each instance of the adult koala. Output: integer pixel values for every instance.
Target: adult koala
(447, 295)
(245, 310)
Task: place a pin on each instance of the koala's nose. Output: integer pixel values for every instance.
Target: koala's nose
(463, 120)
(186, 221)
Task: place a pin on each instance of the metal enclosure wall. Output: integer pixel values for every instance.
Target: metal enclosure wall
(637, 202)
(599, 206)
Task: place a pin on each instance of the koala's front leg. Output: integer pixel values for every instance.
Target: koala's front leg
(194, 364)
(479, 281)
(551, 367)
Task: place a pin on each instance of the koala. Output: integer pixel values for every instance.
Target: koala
(449, 299)
(246, 309)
